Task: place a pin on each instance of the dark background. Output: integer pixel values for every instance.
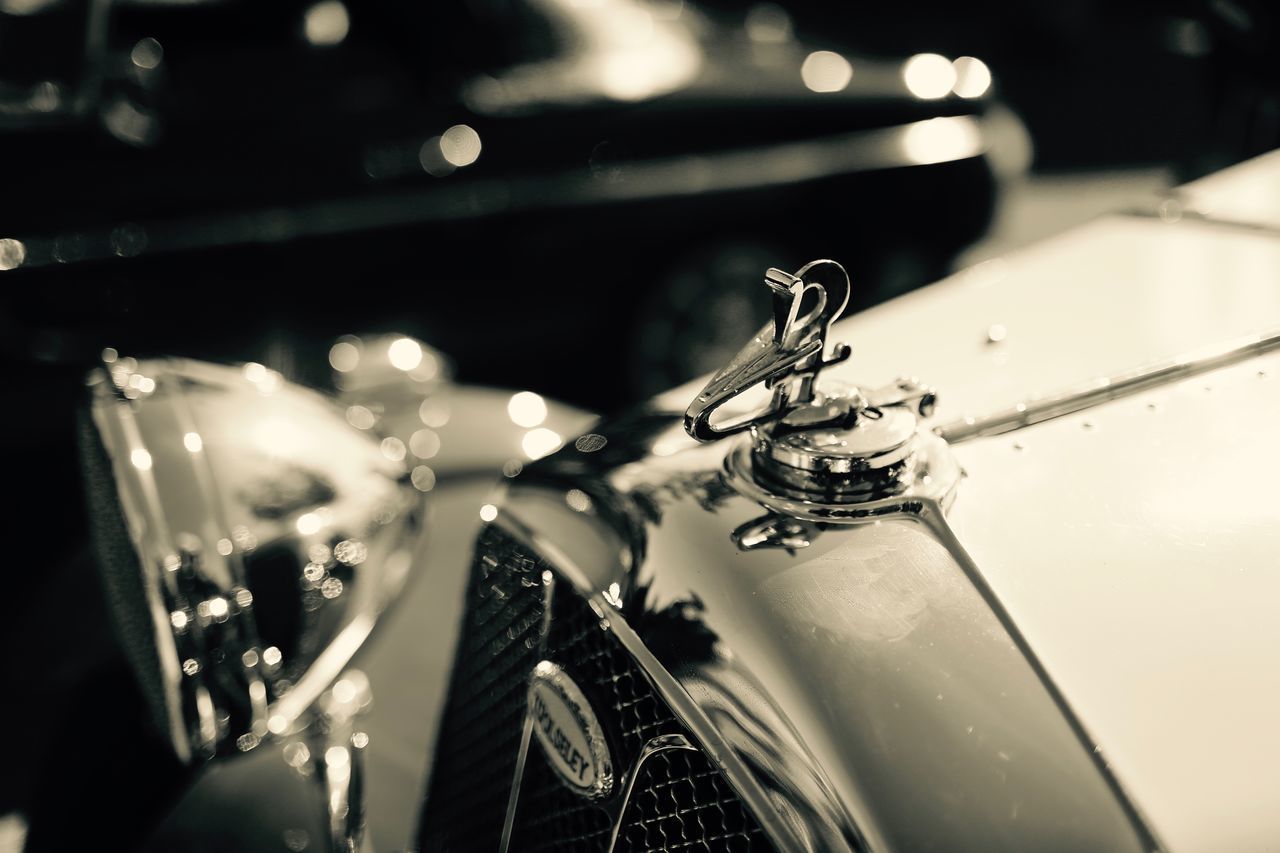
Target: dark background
(247, 181)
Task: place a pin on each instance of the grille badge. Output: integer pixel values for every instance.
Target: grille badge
(569, 732)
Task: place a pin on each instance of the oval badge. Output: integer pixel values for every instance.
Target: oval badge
(569, 732)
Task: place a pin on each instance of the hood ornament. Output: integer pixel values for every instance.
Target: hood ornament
(828, 443)
(785, 355)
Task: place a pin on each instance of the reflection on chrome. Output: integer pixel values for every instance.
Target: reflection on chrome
(227, 478)
(929, 76)
(826, 71)
(938, 140)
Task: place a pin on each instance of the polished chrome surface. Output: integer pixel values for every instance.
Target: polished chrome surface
(934, 475)
(1134, 544)
(526, 734)
(826, 680)
(1110, 388)
(813, 441)
(219, 467)
(785, 356)
(337, 754)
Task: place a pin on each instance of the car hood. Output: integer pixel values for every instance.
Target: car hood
(1132, 541)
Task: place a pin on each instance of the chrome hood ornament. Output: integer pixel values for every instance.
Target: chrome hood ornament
(785, 355)
(829, 444)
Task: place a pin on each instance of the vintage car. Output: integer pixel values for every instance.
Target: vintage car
(1024, 601)
(400, 143)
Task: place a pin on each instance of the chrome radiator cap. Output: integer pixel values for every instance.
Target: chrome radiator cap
(826, 443)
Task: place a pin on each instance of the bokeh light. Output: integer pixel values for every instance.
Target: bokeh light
(929, 76)
(826, 71)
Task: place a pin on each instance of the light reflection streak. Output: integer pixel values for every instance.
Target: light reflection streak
(938, 140)
(624, 52)
(741, 169)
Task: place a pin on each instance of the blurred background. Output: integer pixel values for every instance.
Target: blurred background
(576, 197)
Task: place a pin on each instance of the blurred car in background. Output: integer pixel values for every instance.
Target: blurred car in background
(512, 166)
(1189, 85)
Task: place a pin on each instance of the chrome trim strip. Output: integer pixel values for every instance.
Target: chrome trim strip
(144, 514)
(513, 800)
(1109, 388)
(747, 168)
(672, 692)
(662, 743)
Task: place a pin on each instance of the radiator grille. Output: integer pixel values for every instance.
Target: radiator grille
(550, 816)
(479, 736)
(679, 800)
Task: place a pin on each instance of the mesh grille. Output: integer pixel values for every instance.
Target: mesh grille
(480, 733)
(679, 800)
(550, 816)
